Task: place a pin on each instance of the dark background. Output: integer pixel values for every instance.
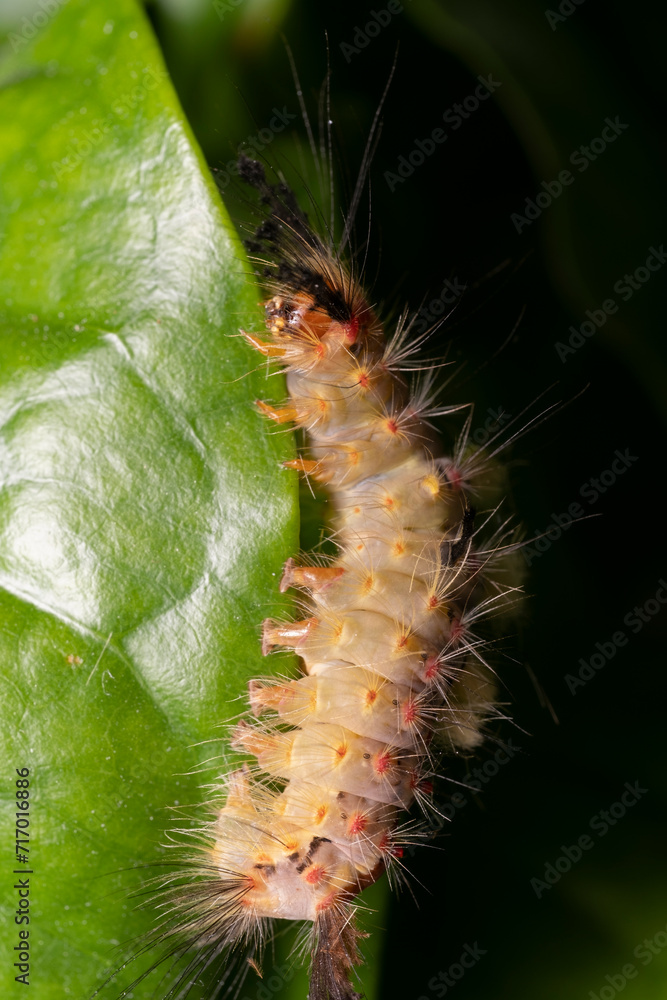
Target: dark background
(451, 219)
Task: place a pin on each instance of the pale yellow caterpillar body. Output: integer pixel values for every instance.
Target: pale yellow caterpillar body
(391, 638)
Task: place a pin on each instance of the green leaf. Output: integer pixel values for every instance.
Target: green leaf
(144, 516)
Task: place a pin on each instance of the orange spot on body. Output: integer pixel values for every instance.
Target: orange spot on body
(382, 762)
(314, 875)
(431, 668)
(358, 823)
(409, 712)
(433, 602)
(364, 380)
(392, 426)
(341, 750)
(320, 813)
(371, 695)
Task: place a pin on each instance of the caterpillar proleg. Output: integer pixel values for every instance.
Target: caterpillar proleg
(391, 630)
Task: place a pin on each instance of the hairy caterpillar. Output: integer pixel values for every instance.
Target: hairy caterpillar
(395, 668)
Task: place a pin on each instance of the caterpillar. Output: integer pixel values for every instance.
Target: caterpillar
(395, 672)
(392, 667)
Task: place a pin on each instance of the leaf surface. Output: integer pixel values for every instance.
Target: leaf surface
(144, 516)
